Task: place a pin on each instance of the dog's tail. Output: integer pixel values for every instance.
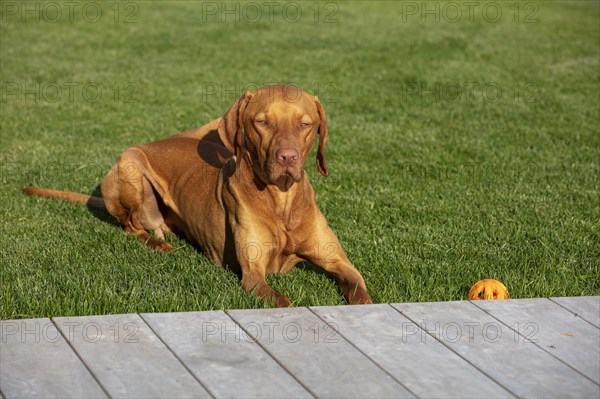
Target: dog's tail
(90, 201)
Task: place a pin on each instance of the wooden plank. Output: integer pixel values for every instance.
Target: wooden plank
(424, 366)
(518, 365)
(37, 362)
(325, 363)
(586, 307)
(221, 355)
(127, 358)
(552, 328)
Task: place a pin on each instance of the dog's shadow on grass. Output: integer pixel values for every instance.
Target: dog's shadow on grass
(309, 267)
(101, 213)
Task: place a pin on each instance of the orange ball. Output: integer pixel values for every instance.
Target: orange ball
(488, 289)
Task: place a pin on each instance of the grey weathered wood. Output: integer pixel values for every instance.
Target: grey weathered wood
(552, 328)
(507, 357)
(377, 352)
(221, 355)
(37, 362)
(320, 358)
(408, 353)
(586, 307)
(127, 358)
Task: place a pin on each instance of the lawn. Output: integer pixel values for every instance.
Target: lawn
(464, 143)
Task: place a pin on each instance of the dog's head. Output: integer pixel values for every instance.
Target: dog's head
(274, 129)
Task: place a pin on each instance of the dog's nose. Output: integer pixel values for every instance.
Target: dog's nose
(287, 156)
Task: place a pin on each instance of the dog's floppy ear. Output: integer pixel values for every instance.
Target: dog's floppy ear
(322, 139)
(231, 125)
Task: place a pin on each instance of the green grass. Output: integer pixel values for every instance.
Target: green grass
(427, 194)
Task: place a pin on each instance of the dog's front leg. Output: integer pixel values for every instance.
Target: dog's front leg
(254, 257)
(324, 250)
(253, 280)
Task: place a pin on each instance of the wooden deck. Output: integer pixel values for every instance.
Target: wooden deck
(513, 348)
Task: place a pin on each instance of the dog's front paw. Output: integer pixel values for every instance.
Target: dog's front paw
(163, 246)
(158, 245)
(282, 301)
(360, 297)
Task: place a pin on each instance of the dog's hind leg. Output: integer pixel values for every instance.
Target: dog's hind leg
(130, 198)
(151, 218)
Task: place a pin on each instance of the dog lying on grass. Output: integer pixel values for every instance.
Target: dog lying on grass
(237, 188)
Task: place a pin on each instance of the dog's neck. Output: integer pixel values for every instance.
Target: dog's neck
(284, 183)
(284, 203)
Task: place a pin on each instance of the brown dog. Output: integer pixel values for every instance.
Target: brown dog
(237, 188)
